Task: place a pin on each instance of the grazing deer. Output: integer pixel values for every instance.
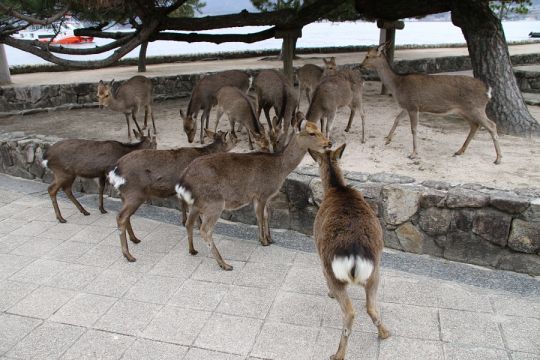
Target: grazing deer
(70, 158)
(130, 97)
(349, 241)
(435, 94)
(333, 92)
(230, 181)
(275, 91)
(310, 75)
(204, 97)
(240, 108)
(145, 173)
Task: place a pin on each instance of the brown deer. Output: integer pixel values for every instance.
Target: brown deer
(349, 241)
(435, 94)
(129, 98)
(275, 91)
(230, 181)
(240, 108)
(333, 92)
(204, 97)
(70, 158)
(153, 173)
(310, 75)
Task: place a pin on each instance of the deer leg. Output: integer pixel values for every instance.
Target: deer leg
(388, 138)
(184, 207)
(102, 180)
(152, 116)
(129, 126)
(413, 115)
(134, 239)
(53, 191)
(218, 117)
(267, 116)
(67, 189)
(371, 288)
(472, 132)
(192, 217)
(122, 220)
(329, 123)
(351, 117)
(363, 117)
(266, 217)
(207, 228)
(349, 314)
(258, 206)
(134, 117)
(308, 96)
(145, 125)
(204, 118)
(249, 139)
(490, 126)
(232, 123)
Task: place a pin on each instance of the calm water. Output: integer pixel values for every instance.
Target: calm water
(313, 35)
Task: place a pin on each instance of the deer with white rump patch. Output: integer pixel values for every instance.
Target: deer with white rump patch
(70, 158)
(310, 75)
(153, 173)
(230, 181)
(333, 92)
(349, 240)
(240, 108)
(203, 97)
(130, 97)
(435, 94)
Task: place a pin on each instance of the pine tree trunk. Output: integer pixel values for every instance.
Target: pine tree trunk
(491, 63)
(5, 76)
(142, 57)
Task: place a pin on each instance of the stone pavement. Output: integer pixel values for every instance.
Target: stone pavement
(67, 292)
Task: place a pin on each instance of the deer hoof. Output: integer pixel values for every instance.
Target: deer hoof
(85, 213)
(135, 240)
(193, 252)
(497, 161)
(331, 295)
(387, 140)
(335, 357)
(62, 220)
(383, 333)
(413, 156)
(103, 211)
(226, 267)
(129, 257)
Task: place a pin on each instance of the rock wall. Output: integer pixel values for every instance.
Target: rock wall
(468, 223)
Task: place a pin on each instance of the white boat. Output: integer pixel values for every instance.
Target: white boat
(64, 36)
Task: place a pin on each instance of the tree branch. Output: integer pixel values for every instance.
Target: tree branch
(217, 38)
(102, 34)
(31, 19)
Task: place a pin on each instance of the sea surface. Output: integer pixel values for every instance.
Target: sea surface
(319, 34)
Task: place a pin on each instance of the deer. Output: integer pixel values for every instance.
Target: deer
(275, 91)
(349, 241)
(310, 75)
(129, 98)
(70, 158)
(436, 94)
(147, 173)
(230, 181)
(240, 108)
(204, 95)
(333, 92)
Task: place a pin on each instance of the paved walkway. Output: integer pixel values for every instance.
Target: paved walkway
(193, 67)
(66, 292)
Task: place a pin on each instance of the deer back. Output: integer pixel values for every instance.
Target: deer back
(309, 75)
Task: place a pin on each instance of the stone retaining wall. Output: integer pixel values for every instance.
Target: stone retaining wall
(24, 100)
(468, 223)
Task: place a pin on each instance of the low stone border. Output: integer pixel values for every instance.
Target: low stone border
(469, 223)
(25, 100)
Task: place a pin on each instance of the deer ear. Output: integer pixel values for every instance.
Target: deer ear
(338, 153)
(315, 155)
(325, 61)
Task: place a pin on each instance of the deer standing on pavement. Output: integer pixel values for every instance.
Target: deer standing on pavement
(310, 75)
(333, 92)
(70, 158)
(130, 97)
(204, 95)
(435, 94)
(240, 108)
(349, 240)
(153, 173)
(230, 181)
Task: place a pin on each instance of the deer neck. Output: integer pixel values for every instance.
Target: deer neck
(388, 76)
(331, 176)
(292, 155)
(116, 104)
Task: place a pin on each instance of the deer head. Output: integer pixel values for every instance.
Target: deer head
(190, 125)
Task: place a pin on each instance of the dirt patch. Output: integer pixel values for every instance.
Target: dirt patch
(438, 139)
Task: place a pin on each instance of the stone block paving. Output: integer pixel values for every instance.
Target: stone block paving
(67, 293)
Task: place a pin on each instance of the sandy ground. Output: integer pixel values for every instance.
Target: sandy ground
(438, 139)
